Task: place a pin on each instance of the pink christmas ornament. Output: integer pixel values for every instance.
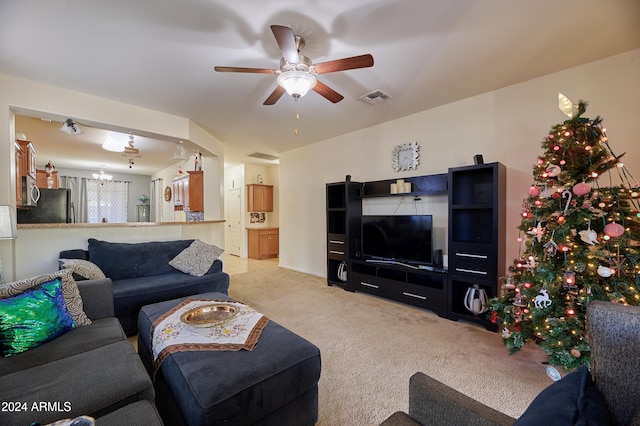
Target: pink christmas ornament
(614, 229)
(553, 170)
(581, 189)
(534, 191)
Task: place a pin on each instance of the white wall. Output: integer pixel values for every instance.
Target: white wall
(506, 125)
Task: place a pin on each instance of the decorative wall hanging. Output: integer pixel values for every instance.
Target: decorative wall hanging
(405, 157)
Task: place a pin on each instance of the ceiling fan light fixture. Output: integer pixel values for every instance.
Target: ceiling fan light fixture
(297, 83)
(70, 128)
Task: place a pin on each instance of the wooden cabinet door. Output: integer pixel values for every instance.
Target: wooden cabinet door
(185, 192)
(263, 243)
(196, 191)
(19, 166)
(259, 198)
(273, 244)
(28, 159)
(267, 198)
(177, 193)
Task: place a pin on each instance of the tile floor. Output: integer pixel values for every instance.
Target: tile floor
(237, 265)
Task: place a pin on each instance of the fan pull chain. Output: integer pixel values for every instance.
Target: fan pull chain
(295, 127)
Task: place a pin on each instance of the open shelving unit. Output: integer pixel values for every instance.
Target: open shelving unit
(476, 234)
(344, 209)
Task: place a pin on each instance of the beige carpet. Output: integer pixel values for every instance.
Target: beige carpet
(371, 346)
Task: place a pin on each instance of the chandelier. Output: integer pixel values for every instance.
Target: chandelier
(102, 175)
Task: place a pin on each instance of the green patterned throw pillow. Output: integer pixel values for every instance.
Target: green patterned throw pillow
(33, 318)
(69, 290)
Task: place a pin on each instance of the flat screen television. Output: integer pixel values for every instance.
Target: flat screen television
(400, 238)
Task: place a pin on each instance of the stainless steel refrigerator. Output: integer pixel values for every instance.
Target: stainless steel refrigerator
(54, 206)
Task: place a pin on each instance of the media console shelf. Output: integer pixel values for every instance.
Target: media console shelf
(476, 241)
(420, 185)
(419, 287)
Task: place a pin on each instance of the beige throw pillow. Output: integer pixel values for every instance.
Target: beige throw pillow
(84, 268)
(196, 259)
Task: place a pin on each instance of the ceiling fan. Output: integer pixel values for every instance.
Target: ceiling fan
(296, 74)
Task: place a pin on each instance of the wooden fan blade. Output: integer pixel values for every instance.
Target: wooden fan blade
(274, 96)
(287, 42)
(240, 69)
(362, 61)
(327, 92)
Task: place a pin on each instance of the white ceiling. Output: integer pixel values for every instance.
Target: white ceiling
(160, 54)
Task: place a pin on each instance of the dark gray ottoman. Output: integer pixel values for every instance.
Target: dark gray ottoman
(275, 384)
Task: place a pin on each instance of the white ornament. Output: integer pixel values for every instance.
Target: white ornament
(605, 272)
(588, 236)
(542, 300)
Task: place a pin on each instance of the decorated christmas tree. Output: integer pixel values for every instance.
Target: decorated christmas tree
(579, 241)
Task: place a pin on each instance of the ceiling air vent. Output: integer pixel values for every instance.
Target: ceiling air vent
(375, 97)
(263, 156)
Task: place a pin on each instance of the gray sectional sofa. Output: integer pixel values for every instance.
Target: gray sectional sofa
(141, 275)
(90, 370)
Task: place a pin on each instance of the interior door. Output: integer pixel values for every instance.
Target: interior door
(233, 222)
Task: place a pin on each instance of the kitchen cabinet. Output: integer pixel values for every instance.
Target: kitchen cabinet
(19, 165)
(27, 192)
(42, 180)
(259, 198)
(28, 159)
(264, 243)
(188, 192)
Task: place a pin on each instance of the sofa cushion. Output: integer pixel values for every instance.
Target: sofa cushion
(614, 338)
(83, 268)
(91, 383)
(69, 291)
(573, 400)
(132, 260)
(132, 294)
(137, 413)
(74, 254)
(32, 318)
(196, 259)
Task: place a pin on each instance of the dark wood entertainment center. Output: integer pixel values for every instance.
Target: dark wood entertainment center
(476, 241)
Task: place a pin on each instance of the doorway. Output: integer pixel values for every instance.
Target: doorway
(234, 221)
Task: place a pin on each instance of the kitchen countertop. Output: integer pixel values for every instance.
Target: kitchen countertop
(107, 225)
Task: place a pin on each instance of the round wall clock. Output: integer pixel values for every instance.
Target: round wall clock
(167, 193)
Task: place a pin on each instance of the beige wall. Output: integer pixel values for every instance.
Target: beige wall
(506, 125)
